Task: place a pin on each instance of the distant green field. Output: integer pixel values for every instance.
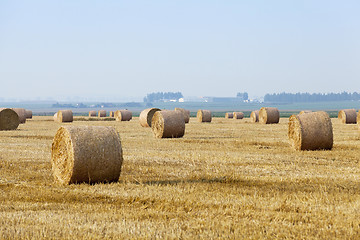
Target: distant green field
(327, 106)
(218, 109)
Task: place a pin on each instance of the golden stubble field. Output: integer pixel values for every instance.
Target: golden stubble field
(227, 179)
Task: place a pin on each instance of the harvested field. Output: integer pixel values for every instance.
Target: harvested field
(227, 179)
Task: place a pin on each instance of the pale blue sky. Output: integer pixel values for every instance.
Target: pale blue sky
(122, 50)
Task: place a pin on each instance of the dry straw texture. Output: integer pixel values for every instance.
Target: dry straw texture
(269, 115)
(347, 116)
(224, 180)
(311, 131)
(28, 114)
(168, 124)
(358, 119)
(111, 114)
(186, 114)
(9, 119)
(55, 117)
(146, 116)
(89, 154)
(238, 115)
(123, 115)
(305, 111)
(92, 113)
(204, 116)
(64, 116)
(21, 112)
(254, 116)
(102, 113)
(229, 115)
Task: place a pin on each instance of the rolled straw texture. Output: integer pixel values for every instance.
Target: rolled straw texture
(238, 115)
(269, 115)
(64, 116)
(186, 114)
(347, 116)
(92, 113)
(168, 124)
(311, 131)
(28, 114)
(204, 116)
(305, 111)
(229, 115)
(55, 117)
(146, 116)
(22, 114)
(89, 154)
(102, 113)
(111, 114)
(9, 119)
(123, 115)
(254, 116)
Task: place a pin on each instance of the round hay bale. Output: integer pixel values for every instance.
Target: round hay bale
(21, 112)
(269, 115)
(305, 111)
(64, 116)
(238, 115)
(146, 116)
(310, 131)
(123, 115)
(168, 124)
(28, 114)
(347, 116)
(89, 154)
(254, 116)
(229, 115)
(102, 113)
(92, 113)
(186, 114)
(111, 114)
(203, 116)
(55, 117)
(9, 119)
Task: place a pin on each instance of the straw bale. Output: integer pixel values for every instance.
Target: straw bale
(22, 114)
(28, 114)
(92, 113)
(123, 115)
(229, 115)
(102, 113)
(347, 116)
(111, 114)
(64, 116)
(89, 154)
(254, 116)
(311, 131)
(186, 114)
(168, 124)
(269, 115)
(305, 111)
(146, 116)
(204, 116)
(55, 117)
(9, 119)
(238, 115)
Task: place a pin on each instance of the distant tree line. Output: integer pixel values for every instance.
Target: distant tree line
(243, 95)
(314, 97)
(162, 96)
